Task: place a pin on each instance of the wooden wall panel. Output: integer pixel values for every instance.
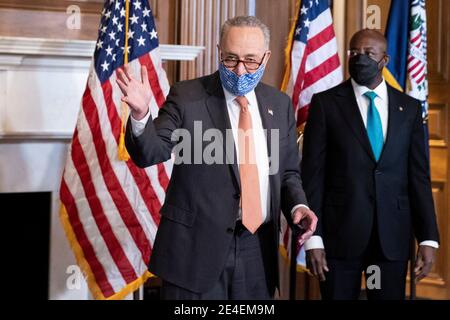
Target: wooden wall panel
(278, 16)
(437, 285)
(200, 22)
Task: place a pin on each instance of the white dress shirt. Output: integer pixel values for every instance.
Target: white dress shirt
(381, 103)
(261, 153)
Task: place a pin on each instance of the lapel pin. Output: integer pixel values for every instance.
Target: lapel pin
(270, 111)
(400, 108)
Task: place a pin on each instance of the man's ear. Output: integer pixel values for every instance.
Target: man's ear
(218, 51)
(386, 60)
(267, 57)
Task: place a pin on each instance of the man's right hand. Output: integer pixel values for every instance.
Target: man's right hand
(137, 94)
(317, 263)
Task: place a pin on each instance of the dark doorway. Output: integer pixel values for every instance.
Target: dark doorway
(27, 242)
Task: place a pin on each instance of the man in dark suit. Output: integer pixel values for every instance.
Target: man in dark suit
(218, 235)
(366, 176)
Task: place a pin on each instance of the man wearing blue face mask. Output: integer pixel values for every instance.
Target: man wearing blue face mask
(218, 235)
(365, 173)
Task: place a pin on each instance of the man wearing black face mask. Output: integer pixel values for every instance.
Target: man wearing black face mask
(365, 174)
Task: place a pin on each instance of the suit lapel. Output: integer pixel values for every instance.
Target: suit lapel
(266, 118)
(395, 120)
(217, 109)
(350, 110)
(265, 106)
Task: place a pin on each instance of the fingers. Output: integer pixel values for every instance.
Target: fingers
(305, 236)
(122, 86)
(317, 263)
(144, 76)
(297, 217)
(128, 72)
(313, 221)
(422, 270)
(122, 76)
(419, 264)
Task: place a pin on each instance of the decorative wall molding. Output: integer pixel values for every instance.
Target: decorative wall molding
(83, 48)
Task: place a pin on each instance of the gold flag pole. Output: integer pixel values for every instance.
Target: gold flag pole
(122, 151)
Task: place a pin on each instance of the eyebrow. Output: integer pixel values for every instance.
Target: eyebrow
(250, 55)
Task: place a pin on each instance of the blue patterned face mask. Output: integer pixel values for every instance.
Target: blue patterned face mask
(240, 85)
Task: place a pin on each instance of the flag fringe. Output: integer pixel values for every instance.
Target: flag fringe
(86, 269)
(390, 79)
(288, 50)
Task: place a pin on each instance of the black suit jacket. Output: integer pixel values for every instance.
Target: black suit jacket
(348, 189)
(202, 201)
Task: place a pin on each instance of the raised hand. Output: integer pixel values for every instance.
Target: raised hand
(137, 94)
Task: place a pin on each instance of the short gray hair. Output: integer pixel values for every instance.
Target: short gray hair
(246, 21)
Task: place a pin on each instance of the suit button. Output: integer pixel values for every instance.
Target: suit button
(237, 195)
(230, 230)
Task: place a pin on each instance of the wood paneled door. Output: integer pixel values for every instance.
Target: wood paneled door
(437, 285)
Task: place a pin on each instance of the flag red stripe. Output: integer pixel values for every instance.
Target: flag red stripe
(321, 71)
(415, 38)
(419, 71)
(421, 78)
(160, 99)
(313, 44)
(111, 181)
(299, 80)
(114, 247)
(286, 236)
(414, 66)
(302, 114)
(88, 251)
(321, 38)
(153, 79)
(140, 176)
(162, 176)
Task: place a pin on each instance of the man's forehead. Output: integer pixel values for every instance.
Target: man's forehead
(248, 36)
(366, 43)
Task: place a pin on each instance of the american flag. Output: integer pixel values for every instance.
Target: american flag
(312, 62)
(110, 208)
(312, 66)
(417, 54)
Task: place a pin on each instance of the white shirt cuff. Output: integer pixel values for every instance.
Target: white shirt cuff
(315, 242)
(296, 207)
(138, 126)
(430, 243)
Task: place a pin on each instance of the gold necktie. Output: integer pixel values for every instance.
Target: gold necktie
(248, 171)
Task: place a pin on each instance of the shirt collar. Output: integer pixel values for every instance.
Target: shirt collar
(380, 90)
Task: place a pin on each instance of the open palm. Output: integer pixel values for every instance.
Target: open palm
(137, 94)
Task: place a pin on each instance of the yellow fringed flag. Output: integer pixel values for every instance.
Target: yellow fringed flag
(110, 208)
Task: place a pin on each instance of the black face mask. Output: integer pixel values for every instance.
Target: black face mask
(363, 69)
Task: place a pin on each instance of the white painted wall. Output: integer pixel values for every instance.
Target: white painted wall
(39, 102)
(41, 86)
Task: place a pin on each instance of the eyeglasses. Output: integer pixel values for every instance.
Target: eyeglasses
(250, 65)
(353, 52)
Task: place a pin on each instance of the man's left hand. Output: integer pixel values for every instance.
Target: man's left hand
(424, 261)
(307, 221)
